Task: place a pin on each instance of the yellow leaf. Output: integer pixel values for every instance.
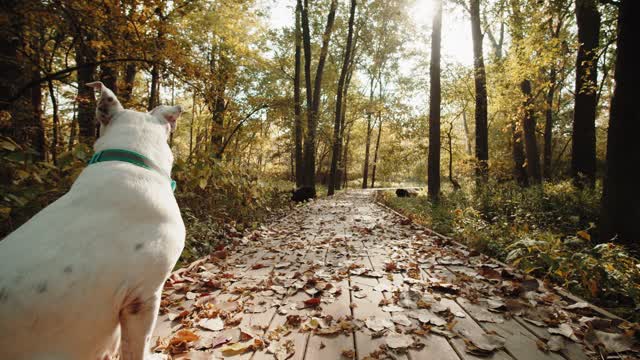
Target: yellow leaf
(202, 183)
(585, 235)
(5, 211)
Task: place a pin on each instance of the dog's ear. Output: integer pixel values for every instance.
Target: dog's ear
(108, 104)
(167, 113)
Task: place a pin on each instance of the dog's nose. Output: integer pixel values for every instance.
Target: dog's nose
(178, 108)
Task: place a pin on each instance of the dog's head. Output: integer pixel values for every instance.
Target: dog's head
(109, 109)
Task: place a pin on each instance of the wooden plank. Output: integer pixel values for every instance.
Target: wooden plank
(332, 347)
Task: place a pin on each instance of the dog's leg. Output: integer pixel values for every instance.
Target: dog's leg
(137, 321)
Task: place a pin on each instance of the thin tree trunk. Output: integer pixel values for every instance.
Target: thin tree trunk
(365, 171)
(297, 108)
(467, 133)
(548, 125)
(312, 116)
(620, 205)
(583, 150)
(86, 101)
(433, 168)
(453, 181)
(154, 93)
(34, 130)
(130, 72)
(519, 171)
(337, 139)
(345, 157)
(54, 141)
(193, 118)
(109, 72)
(375, 152)
(480, 77)
(529, 131)
(73, 128)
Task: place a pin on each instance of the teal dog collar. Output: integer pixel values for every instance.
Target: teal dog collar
(130, 157)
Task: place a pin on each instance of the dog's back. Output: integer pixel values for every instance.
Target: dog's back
(95, 260)
(81, 262)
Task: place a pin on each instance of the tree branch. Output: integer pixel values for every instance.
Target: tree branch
(57, 74)
(238, 125)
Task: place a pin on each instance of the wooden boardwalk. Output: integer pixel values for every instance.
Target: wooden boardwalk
(345, 278)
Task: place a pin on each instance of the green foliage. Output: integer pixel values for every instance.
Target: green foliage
(219, 199)
(547, 231)
(27, 186)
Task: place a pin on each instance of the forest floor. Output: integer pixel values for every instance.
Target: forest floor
(346, 278)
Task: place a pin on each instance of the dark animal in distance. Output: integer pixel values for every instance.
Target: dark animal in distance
(406, 193)
(303, 194)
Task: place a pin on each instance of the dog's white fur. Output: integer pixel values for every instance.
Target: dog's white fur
(87, 271)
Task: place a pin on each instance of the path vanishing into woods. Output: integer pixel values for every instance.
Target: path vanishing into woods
(345, 278)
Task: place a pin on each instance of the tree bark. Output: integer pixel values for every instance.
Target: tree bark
(54, 141)
(73, 127)
(297, 108)
(433, 168)
(480, 79)
(86, 101)
(583, 149)
(33, 131)
(620, 205)
(13, 72)
(130, 72)
(519, 171)
(375, 152)
(529, 131)
(337, 139)
(367, 148)
(312, 116)
(548, 125)
(345, 158)
(109, 71)
(154, 91)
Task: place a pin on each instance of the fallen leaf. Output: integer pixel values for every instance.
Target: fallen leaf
(565, 330)
(392, 308)
(215, 324)
(398, 341)
(378, 323)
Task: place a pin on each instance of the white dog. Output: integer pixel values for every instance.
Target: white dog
(87, 271)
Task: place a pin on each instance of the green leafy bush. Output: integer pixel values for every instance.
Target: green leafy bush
(547, 231)
(28, 185)
(218, 200)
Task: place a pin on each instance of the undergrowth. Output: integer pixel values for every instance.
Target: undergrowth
(548, 231)
(218, 200)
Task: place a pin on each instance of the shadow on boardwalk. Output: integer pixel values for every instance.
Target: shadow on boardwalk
(344, 278)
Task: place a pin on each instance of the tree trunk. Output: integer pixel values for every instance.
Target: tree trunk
(312, 116)
(467, 133)
(337, 139)
(375, 152)
(583, 149)
(54, 141)
(154, 92)
(480, 79)
(519, 172)
(130, 72)
(433, 168)
(529, 131)
(297, 108)
(345, 158)
(86, 101)
(620, 205)
(33, 131)
(109, 72)
(365, 171)
(13, 71)
(548, 125)
(73, 128)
